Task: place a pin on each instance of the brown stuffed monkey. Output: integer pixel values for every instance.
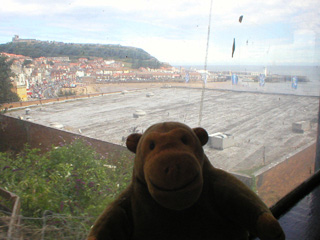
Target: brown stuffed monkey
(176, 193)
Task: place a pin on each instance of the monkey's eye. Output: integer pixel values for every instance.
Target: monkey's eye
(184, 140)
(152, 145)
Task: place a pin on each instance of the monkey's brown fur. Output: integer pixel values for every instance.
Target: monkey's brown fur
(176, 193)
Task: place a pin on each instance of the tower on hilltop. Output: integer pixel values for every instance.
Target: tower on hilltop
(15, 38)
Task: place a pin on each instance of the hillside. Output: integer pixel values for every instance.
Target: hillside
(135, 57)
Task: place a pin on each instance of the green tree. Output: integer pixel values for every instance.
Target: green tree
(6, 94)
(117, 52)
(27, 62)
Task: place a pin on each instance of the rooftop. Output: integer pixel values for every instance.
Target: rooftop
(260, 124)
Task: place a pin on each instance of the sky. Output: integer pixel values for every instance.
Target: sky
(272, 32)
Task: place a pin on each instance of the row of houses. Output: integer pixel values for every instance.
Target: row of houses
(36, 71)
(31, 72)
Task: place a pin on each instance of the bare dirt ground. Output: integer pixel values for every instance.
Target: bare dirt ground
(304, 89)
(116, 87)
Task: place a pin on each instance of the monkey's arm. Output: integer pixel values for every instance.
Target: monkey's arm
(242, 206)
(115, 222)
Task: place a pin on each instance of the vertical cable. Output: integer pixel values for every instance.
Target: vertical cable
(205, 68)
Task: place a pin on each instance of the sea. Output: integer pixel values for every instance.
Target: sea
(309, 88)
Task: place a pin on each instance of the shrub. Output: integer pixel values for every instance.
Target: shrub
(70, 179)
(65, 93)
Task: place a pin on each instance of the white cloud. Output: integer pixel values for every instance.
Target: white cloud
(300, 50)
(18, 8)
(172, 30)
(160, 11)
(187, 51)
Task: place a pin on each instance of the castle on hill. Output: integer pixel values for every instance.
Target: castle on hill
(16, 38)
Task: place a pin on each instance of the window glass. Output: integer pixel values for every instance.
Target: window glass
(246, 71)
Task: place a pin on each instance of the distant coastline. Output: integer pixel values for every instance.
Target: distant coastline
(311, 72)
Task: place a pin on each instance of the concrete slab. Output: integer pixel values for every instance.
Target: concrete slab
(261, 124)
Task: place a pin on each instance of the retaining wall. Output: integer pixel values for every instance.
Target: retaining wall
(14, 133)
(274, 182)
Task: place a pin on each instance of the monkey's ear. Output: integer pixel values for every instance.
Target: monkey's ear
(202, 135)
(132, 141)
